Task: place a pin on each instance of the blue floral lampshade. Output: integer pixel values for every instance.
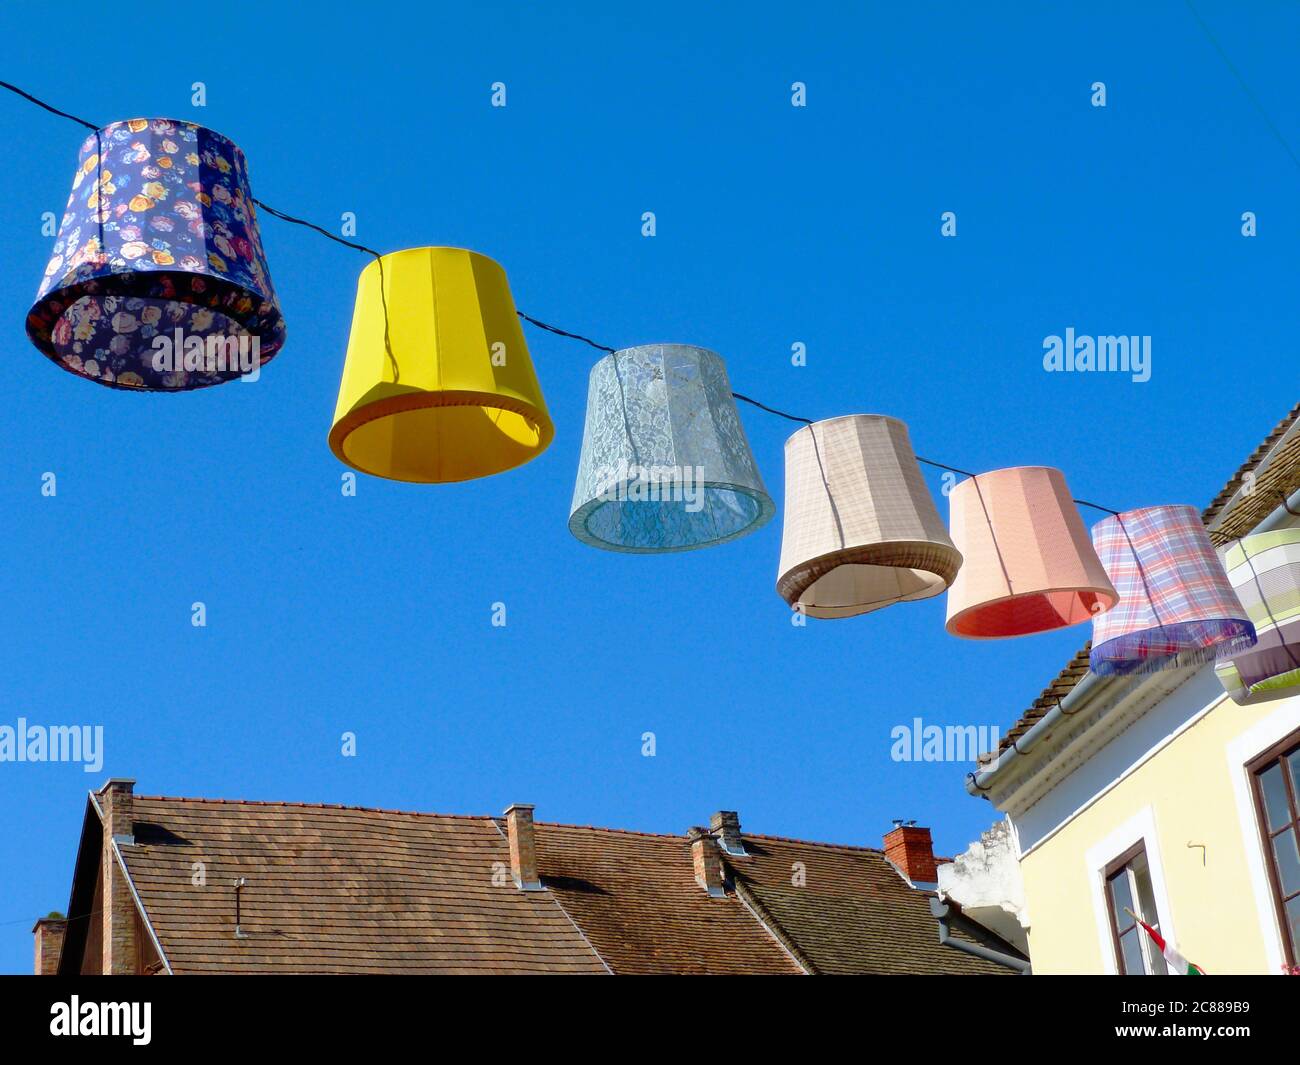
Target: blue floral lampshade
(665, 464)
(158, 281)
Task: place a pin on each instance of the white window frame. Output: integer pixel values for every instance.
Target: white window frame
(1140, 828)
(1241, 752)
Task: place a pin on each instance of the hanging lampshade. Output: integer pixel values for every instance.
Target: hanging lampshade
(1264, 570)
(861, 529)
(158, 281)
(1028, 564)
(438, 385)
(665, 464)
(1176, 605)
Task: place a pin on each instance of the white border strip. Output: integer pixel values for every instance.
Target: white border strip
(1140, 828)
(1251, 743)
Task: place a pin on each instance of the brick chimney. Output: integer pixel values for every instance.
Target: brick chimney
(707, 861)
(119, 915)
(725, 825)
(911, 849)
(523, 846)
(49, 932)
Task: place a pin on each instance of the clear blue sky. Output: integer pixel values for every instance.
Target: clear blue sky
(775, 225)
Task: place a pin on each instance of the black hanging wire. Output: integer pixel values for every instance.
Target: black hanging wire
(383, 296)
(42, 103)
(564, 333)
(527, 318)
(1268, 121)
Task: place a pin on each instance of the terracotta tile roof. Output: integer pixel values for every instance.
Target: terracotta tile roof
(636, 899)
(341, 890)
(1281, 475)
(853, 914)
(353, 890)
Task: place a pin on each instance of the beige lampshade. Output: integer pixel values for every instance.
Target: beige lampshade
(861, 529)
(1030, 565)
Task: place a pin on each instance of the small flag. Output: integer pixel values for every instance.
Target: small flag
(1178, 965)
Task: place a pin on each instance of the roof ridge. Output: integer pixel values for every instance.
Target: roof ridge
(814, 842)
(312, 806)
(620, 831)
(487, 817)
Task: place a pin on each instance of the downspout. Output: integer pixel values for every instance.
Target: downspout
(978, 783)
(943, 914)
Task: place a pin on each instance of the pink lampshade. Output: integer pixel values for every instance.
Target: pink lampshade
(1030, 565)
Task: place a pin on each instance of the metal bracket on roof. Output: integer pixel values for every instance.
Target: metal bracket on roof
(239, 932)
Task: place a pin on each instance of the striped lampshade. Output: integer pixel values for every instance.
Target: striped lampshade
(1028, 564)
(1264, 570)
(1176, 604)
(861, 529)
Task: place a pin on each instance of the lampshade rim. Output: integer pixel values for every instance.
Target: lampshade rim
(389, 256)
(1239, 636)
(1279, 682)
(767, 510)
(1105, 594)
(119, 283)
(827, 612)
(791, 589)
(854, 610)
(421, 399)
(611, 356)
(1147, 509)
(789, 440)
(177, 121)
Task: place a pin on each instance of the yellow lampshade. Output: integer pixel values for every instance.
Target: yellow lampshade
(452, 395)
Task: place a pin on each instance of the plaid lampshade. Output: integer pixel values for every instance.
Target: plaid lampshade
(157, 281)
(861, 528)
(665, 464)
(1028, 564)
(1176, 605)
(1264, 570)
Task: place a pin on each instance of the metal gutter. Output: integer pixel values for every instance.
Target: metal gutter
(144, 914)
(945, 915)
(1291, 431)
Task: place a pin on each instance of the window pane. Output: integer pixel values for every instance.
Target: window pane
(1130, 948)
(1147, 898)
(1273, 785)
(1121, 898)
(1288, 862)
(1293, 920)
(1294, 759)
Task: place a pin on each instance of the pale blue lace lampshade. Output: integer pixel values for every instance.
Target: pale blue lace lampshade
(665, 464)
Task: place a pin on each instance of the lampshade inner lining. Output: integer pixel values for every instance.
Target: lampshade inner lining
(143, 340)
(655, 525)
(1024, 614)
(442, 443)
(857, 588)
